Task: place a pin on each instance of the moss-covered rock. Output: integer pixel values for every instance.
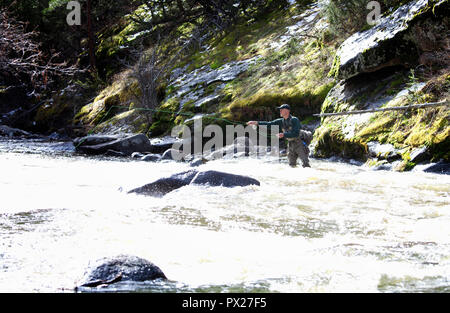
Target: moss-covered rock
(329, 141)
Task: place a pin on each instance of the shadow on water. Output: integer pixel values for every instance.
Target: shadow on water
(159, 286)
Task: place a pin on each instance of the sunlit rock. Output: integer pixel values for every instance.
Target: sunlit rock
(121, 268)
(383, 45)
(383, 151)
(186, 84)
(419, 155)
(127, 145)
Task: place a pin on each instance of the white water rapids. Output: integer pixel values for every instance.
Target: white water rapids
(332, 228)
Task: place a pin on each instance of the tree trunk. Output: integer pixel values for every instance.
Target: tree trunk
(91, 36)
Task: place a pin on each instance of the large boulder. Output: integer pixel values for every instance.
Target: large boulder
(215, 178)
(383, 45)
(165, 185)
(127, 145)
(121, 268)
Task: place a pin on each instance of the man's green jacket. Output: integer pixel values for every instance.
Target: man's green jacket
(289, 126)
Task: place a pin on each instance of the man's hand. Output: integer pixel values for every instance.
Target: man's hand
(251, 123)
(280, 135)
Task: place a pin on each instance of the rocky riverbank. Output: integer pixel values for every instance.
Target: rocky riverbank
(292, 57)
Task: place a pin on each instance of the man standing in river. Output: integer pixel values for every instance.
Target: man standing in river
(290, 126)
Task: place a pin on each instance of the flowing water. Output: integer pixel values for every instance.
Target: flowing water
(332, 228)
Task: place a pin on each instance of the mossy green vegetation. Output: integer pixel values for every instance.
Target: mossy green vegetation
(302, 72)
(295, 74)
(329, 141)
(406, 130)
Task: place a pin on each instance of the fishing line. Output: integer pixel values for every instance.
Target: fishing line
(188, 114)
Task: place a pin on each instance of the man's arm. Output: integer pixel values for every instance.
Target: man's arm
(274, 122)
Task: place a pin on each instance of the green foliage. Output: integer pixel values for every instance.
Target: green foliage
(54, 4)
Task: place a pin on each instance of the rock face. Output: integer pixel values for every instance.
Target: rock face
(211, 178)
(383, 45)
(215, 178)
(186, 83)
(100, 145)
(120, 268)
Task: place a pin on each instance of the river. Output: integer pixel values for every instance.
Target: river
(334, 227)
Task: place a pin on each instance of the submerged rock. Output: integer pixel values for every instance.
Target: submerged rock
(120, 268)
(172, 154)
(151, 157)
(127, 145)
(197, 162)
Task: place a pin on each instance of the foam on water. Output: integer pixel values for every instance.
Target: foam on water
(332, 228)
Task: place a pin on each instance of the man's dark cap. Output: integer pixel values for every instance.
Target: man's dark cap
(284, 106)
